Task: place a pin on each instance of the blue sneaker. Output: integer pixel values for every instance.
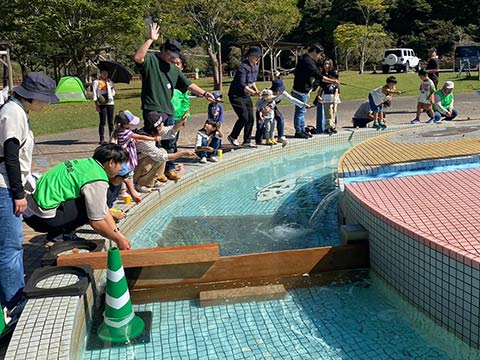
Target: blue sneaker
(431, 121)
(376, 125)
(382, 125)
(415, 121)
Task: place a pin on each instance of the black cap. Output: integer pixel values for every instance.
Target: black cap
(432, 49)
(153, 120)
(37, 86)
(254, 51)
(317, 47)
(173, 47)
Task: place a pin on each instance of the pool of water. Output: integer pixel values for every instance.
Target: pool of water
(265, 206)
(416, 172)
(356, 319)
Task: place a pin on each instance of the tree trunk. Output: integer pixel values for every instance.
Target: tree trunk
(214, 59)
(220, 68)
(362, 57)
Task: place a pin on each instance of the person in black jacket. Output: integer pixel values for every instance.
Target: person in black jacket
(242, 88)
(306, 73)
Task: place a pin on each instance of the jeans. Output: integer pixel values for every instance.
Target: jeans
(299, 116)
(280, 123)
(169, 145)
(243, 107)
(106, 113)
(11, 252)
(215, 143)
(438, 116)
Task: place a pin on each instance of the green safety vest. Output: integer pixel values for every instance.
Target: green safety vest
(445, 100)
(64, 181)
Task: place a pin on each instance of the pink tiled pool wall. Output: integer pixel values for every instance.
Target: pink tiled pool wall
(445, 289)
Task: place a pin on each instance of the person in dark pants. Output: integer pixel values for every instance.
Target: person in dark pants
(159, 79)
(432, 66)
(306, 72)
(103, 93)
(242, 88)
(74, 193)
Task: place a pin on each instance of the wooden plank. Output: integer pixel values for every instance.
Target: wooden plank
(243, 294)
(148, 257)
(255, 266)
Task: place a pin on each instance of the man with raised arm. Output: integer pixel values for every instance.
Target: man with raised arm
(159, 78)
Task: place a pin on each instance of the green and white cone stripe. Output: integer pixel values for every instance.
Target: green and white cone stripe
(120, 324)
(2, 320)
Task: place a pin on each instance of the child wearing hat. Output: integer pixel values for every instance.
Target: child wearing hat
(279, 93)
(265, 115)
(215, 109)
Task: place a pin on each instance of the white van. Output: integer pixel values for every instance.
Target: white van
(399, 59)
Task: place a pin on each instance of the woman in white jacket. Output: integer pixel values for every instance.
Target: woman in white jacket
(103, 94)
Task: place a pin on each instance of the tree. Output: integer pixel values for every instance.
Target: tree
(72, 29)
(268, 21)
(369, 9)
(210, 20)
(361, 41)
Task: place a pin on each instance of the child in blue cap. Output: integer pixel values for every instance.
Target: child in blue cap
(279, 92)
(215, 109)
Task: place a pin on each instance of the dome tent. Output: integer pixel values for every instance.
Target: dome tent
(70, 89)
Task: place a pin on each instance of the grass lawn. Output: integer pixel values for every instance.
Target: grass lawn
(64, 117)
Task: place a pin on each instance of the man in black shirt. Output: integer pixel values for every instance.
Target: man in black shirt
(432, 66)
(306, 73)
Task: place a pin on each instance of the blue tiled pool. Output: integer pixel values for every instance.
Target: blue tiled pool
(265, 206)
(356, 320)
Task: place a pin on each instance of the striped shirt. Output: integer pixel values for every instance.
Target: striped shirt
(128, 143)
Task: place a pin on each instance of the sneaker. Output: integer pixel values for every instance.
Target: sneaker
(334, 131)
(376, 125)
(258, 143)
(157, 185)
(203, 160)
(308, 133)
(282, 140)
(301, 135)
(249, 145)
(162, 178)
(431, 121)
(213, 159)
(72, 237)
(273, 141)
(233, 141)
(382, 125)
(143, 189)
(269, 142)
(415, 121)
(172, 175)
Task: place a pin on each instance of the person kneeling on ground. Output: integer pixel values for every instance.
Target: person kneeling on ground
(152, 160)
(208, 142)
(443, 102)
(70, 194)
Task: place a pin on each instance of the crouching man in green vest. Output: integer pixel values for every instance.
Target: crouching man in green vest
(74, 193)
(443, 103)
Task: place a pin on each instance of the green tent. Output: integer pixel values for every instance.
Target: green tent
(70, 89)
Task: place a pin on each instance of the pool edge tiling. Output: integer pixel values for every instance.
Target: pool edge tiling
(424, 236)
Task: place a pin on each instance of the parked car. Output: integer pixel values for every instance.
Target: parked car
(399, 59)
(468, 55)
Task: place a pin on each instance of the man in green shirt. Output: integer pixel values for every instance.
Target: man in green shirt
(443, 102)
(74, 193)
(159, 80)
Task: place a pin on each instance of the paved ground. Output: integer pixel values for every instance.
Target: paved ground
(52, 149)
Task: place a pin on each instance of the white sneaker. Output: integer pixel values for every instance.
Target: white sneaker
(233, 141)
(143, 189)
(157, 185)
(212, 159)
(203, 160)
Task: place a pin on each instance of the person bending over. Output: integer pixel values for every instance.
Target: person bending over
(74, 193)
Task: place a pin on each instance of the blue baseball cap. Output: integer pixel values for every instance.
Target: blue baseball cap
(277, 86)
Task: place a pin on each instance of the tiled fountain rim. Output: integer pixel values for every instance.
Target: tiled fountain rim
(65, 332)
(435, 243)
